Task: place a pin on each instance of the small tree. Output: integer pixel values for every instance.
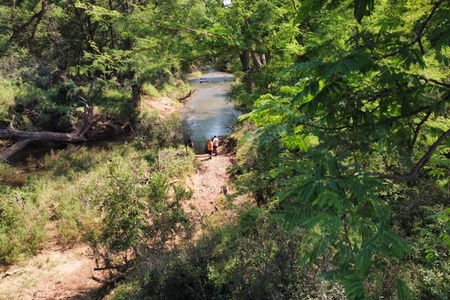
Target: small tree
(138, 213)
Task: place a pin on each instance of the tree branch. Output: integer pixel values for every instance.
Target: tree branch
(419, 165)
(37, 16)
(437, 82)
(418, 38)
(417, 129)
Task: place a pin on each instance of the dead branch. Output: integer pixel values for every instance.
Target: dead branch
(182, 99)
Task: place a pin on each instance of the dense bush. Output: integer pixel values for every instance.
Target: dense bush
(7, 92)
(251, 259)
(137, 210)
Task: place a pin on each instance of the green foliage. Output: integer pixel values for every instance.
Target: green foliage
(111, 197)
(68, 215)
(353, 109)
(7, 173)
(116, 104)
(22, 225)
(135, 209)
(123, 202)
(171, 131)
(150, 91)
(251, 259)
(347, 99)
(165, 133)
(145, 130)
(430, 250)
(175, 163)
(7, 93)
(71, 160)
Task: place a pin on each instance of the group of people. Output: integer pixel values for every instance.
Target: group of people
(211, 146)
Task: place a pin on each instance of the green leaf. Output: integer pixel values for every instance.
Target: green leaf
(363, 261)
(403, 291)
(302, 68)
(310, 7)
(354, 287)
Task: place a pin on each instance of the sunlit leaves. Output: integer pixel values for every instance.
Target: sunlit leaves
(310, 7)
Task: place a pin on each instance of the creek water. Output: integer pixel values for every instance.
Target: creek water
(209, 111)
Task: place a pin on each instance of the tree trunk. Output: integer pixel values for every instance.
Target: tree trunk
(256, 60)
(37, 17)
(91, 126)
(26, 137)
(136, 90)
(245, 61)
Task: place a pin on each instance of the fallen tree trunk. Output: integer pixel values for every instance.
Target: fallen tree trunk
(25, 137)
(89, 126)
(40, 135)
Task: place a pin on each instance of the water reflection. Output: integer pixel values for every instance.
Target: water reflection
(208, 111)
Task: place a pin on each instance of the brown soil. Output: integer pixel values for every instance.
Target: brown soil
(210, 186)
(57, 273)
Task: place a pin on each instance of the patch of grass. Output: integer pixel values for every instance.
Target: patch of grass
(10, 176)
(72, 160)
(175, 162)
(22, 225)
(150, 91)
(7, 92)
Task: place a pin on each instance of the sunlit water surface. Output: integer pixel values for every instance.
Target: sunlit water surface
(209, 112)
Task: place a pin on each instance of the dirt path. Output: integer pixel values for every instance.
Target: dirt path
(68, 274)
(210, 184)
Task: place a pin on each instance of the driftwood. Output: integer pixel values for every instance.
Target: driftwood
(185, 97)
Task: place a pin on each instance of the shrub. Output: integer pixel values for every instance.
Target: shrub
(163, 133)
(150, 90)
(136, 211)
(175, 163)
(7, 174)
(22, 225)
(145, 133)
(171, 131)
(71, 160)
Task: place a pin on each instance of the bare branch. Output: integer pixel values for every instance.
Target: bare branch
(19, 31)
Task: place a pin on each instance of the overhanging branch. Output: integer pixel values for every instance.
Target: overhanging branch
(419, 165)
